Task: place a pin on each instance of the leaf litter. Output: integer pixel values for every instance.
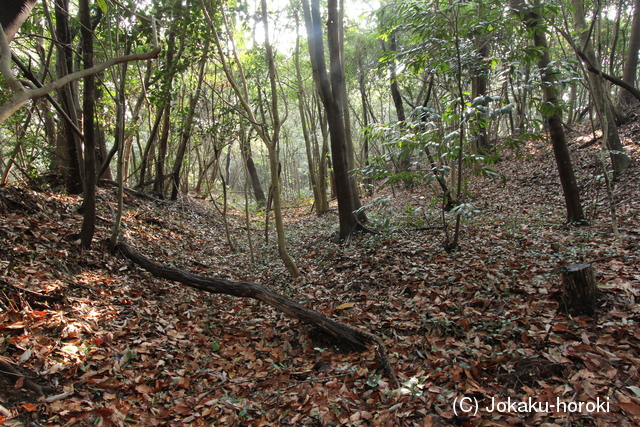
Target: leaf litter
(110, 345)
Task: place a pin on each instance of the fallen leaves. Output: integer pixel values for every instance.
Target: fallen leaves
(118, 347)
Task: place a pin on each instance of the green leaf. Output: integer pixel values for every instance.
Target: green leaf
(215, 346)
(634, 389)
(102, 4)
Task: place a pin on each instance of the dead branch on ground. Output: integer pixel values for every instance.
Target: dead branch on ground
(353, 336)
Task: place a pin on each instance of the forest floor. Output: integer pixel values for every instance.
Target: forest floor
(108, 344)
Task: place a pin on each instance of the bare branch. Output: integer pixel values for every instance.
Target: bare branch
(22, 95)
(616, 81)
(5, 64)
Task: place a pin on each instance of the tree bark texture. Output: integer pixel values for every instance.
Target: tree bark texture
(579, 290)
(340, 331)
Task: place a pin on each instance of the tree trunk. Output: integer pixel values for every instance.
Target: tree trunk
(186, 129)
(148, 150)
(321, 148)
(630, 70)
(447, 200)
(273, 148)
(343, 98)
(573, 95)
(404, 160)
(614, 41)
(245, 148)
(67, 141)
(314, 173)
(89, 220)
(135, 116)
(227, 164)
(119, 136)
(330, 88)
(619, 158)
(163, 143)
(368, 181)
(553, 113)
(271, 142)
(480, 86)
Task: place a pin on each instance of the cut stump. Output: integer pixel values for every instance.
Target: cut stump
(579, 290)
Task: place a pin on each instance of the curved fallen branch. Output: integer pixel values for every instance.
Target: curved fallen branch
(354, 336)
(8, 370)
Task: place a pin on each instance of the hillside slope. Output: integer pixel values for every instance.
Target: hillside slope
(107, 344)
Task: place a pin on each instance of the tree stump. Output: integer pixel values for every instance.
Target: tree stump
(579, 290)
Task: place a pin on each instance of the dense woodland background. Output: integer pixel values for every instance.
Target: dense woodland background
(420, 171)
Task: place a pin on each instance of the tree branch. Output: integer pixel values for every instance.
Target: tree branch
(22, 95)
(616, 81)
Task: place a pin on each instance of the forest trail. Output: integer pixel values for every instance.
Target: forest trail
(110, 345)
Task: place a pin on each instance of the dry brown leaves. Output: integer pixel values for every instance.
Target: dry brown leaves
(111, 345)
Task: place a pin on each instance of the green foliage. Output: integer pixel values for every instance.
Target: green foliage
(102, 4)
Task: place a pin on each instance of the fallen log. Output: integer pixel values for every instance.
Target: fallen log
(353, 336)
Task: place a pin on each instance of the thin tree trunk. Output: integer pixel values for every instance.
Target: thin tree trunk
(225, 220)
(89, 220)
(271, 142)
(404, 160)
(227, 163)
(344, 101)
(619, 158)
(480, 87)
(313, 171)
(330, 88)
(163, 143)
(146, 156)
(186, 131)
(67, 139)
(573, 94)
(135, 116)
(273, 150)
(245, 143)
(533, 19)
(630, 70)
(614, 42)
(321, 149)
(119, 134)
(368, 181)
(447, 200)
